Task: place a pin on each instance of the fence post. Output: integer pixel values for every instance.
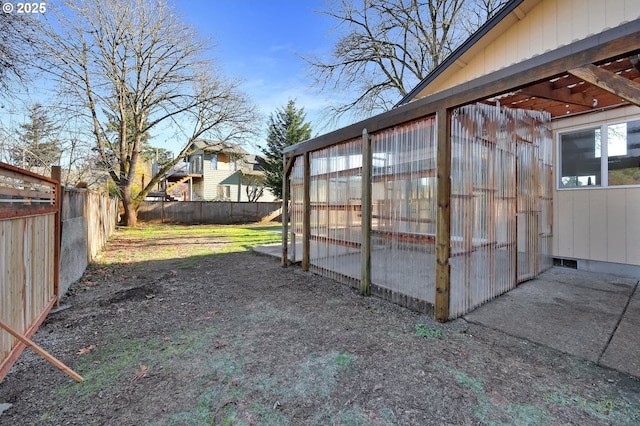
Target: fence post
(56, 174)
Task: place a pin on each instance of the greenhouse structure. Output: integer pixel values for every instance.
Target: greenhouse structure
(449, 200)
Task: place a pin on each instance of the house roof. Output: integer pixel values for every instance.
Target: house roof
(218, 147)
(489, 31)
(561, 95)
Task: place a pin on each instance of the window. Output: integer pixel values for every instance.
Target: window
(196, 164)
(214, 161)
(224, 192)
(608, 155)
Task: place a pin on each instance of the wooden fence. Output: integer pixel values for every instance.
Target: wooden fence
(207, 212)
(88, 220)
(29, 255)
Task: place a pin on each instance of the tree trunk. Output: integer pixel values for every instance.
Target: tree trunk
(130, 218)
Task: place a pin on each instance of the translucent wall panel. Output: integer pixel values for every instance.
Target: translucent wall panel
(498, 184)
(404, 210)
(336, 208)
(543, 140)
(296, 209)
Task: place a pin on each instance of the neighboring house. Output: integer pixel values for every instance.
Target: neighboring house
(217, 171)
(521, 150)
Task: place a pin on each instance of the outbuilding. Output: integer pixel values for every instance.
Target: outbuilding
(520, 151)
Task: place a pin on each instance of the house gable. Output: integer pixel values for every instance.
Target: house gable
(523, 30)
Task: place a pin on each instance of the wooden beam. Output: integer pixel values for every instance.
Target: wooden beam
(288, 164)
(46, 355)
(546, 90)
(610, 82)
(284, 262)
(443, 217)
(365, 249)
(635, 61)
(306, 213)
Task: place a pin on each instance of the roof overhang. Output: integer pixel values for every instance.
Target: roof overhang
(592, 73)
(509, 14)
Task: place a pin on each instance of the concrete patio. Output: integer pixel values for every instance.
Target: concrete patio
(593, 316)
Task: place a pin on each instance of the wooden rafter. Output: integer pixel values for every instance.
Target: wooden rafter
(546, 90)
(610, 82)
(635, 61)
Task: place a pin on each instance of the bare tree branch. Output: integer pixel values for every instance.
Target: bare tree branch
(387, 46)
(135, 64)
(18, 34)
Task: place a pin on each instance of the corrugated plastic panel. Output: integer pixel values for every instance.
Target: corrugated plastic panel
(296, 210)
(404, 210)
(336, 209)
(497, 187)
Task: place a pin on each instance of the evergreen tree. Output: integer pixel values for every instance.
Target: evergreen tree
(286, 127)
(38, 145)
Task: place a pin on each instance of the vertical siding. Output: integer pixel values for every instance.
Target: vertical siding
(564, 227)
(581, 220)
(549, 25)
(536, 30)
(597, 14)
(633, 226)
(598, 244)
(616, 225)
(566, 22)
(598, 224)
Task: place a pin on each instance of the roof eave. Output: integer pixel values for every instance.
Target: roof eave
(461, 50)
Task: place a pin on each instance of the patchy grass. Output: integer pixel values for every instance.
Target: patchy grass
(427, 332)
(132, 245)
(116, 363)
(607, 410)
(495, 410)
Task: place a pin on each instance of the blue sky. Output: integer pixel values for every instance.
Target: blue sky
(255, 41)
(258, 42)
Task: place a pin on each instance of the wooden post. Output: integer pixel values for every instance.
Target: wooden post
(306, 213)
(56, 173)
(443, 220)
(285, 215)
(42, 352)
(365, 238)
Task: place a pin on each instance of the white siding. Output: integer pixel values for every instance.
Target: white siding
(601, 224)
(549, 25)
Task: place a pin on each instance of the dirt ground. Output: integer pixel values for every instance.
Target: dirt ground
(233, 338)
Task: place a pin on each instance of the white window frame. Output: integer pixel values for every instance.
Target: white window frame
(604, 154)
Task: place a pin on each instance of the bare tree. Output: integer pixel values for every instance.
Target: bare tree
(388, 46)
(134, 64)
(255, 187)
(17, 36)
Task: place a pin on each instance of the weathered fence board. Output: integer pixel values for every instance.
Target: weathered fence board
(205, 212)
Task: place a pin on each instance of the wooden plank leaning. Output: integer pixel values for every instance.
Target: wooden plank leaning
(46, 355)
